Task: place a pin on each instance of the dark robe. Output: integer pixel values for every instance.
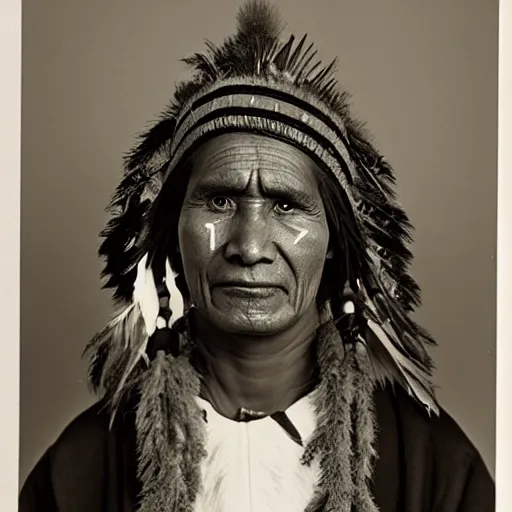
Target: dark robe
(425, 464)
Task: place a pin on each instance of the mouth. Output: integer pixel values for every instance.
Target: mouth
(246, 289)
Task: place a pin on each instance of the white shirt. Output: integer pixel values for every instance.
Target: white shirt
(255, 466)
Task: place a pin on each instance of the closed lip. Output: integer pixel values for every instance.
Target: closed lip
(248, 284)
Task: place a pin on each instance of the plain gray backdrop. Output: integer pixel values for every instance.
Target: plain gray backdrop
(422, 74)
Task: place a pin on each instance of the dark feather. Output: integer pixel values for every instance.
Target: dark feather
(304, 69)
(151, 142)
(297, 52)
(282, 57)
(104, 349)
(391, 363)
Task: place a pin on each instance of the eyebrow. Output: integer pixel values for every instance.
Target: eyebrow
(291, 193)
(207, 188)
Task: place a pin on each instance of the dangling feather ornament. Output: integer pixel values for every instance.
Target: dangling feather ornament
(146, 296)
(170, 430)
(119, 349)
(108, 348)
(389, 356)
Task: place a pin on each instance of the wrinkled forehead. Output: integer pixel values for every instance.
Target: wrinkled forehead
(233, 159)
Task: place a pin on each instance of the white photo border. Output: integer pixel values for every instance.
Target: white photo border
(10, 126)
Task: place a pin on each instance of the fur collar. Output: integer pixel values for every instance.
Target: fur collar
(171, 431)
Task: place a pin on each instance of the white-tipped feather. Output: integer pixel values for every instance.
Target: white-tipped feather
(406, 367)
(176, 300)
(146, 295)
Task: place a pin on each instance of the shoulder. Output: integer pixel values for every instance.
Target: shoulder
(436, 447)
(441, 431)
(84, 438)
(92, 438)
(68, 464)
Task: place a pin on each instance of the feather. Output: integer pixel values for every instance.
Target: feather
(118, 247)
(296, 55)
(205, 64)
(331, 441)
(300, 66)
(98, 349)
(176, 296)
(114, 354)
(365, 427)
(121, 346)
(401, 358)
(394, 320)
(398, 364)
(258, 19)
(281, 58)
(320, 77)
(146, 295)
(303, 69)
(167, 421)
(158, 440)
(130, 207)
(151, 142)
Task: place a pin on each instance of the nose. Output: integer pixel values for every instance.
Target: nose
(250, 238)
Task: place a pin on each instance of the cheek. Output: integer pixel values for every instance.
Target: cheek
(306, 250)
(199, 238)
(193, 244)
(310, 256)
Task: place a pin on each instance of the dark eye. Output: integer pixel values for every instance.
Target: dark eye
(284, 206)
(220, 203)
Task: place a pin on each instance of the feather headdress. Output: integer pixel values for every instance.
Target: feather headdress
(257, 82)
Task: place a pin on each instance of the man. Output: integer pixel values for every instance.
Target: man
(263, 358)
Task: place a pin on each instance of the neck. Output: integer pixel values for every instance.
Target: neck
(261, 373)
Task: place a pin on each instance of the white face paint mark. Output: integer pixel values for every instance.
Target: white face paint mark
(211, 227)
(302, 234)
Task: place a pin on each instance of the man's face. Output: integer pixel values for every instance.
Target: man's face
(253, 234)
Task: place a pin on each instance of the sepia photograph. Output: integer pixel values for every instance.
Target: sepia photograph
(258, 256)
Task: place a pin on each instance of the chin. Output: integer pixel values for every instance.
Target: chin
(260, 324)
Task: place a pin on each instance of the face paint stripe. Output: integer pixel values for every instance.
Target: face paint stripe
(302, 234)
(211, 227)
